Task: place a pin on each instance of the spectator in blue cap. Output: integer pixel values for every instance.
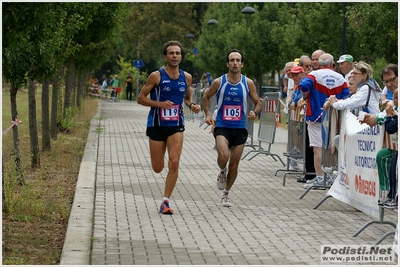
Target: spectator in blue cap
(209, 78)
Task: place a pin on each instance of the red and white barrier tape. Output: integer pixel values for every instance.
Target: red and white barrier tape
(312, 122)
(277, 115)
(12, 125)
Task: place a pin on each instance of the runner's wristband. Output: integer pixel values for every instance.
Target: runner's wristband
(190, 105)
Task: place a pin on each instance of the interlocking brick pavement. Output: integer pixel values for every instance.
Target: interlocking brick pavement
(267, 223)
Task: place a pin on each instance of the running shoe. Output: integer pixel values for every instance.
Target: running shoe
(294, 153)
(392, 204)
(165, 209)
(301, 179)
(384, 201)
(317, 184)
(330, 179)
(226, 202)
(221, 180)
(330, 170)
(310, 181)
(293, 166)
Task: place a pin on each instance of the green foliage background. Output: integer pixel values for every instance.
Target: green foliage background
(95, 35)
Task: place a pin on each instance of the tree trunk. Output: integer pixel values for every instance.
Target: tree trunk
(79, 89)
(4, 206)
(46, 144)
(14, 116)
(71, 77)
(74, 87)
(82, 86)
(33, 133)
(68, 86)
(55, 103)
(86, 85)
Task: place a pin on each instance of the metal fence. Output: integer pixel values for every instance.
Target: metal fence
(267, 127)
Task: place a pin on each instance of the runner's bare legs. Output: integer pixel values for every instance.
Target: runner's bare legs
(174, 145)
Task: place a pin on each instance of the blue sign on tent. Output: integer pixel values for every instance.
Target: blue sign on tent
(138, 63)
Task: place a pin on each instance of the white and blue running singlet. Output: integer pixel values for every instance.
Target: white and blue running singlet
(232, 103)
(168, 89)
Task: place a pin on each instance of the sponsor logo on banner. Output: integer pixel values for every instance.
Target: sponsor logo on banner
(358, 181)
(344, 180)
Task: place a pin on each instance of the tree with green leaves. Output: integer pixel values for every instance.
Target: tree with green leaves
(29, 46)
(280, 32)
(150, 25)
(374, 30)
(252, 34)
(96, 41)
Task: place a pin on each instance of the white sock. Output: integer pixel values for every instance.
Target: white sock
(223, 170)
(224, 192)
(165, 198)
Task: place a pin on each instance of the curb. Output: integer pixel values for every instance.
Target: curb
(77, 245)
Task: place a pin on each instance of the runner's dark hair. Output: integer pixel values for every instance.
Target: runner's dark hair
(232, 51)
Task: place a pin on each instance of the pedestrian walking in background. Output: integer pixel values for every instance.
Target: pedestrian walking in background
(104, 87)
(168, 89)
(195, 81)
(129, 86)
(115, 87)
(232, 91)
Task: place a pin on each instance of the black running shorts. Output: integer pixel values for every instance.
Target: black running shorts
(162, 133)
(235, 137)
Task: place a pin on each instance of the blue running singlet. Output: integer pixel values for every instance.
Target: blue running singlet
(168, 89)
(232, 103)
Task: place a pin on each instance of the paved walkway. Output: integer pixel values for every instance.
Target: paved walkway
(115, 220)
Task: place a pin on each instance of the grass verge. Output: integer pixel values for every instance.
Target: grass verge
(34, 229)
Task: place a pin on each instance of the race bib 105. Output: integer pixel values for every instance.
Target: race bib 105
(232, 113)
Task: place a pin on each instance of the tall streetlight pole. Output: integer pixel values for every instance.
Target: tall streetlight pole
(250, 11)
(138, 70)
(191, 36)
(213, 22)
(344, 29)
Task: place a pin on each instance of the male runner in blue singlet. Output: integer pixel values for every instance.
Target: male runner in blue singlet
(168, 89)
(230, 132)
